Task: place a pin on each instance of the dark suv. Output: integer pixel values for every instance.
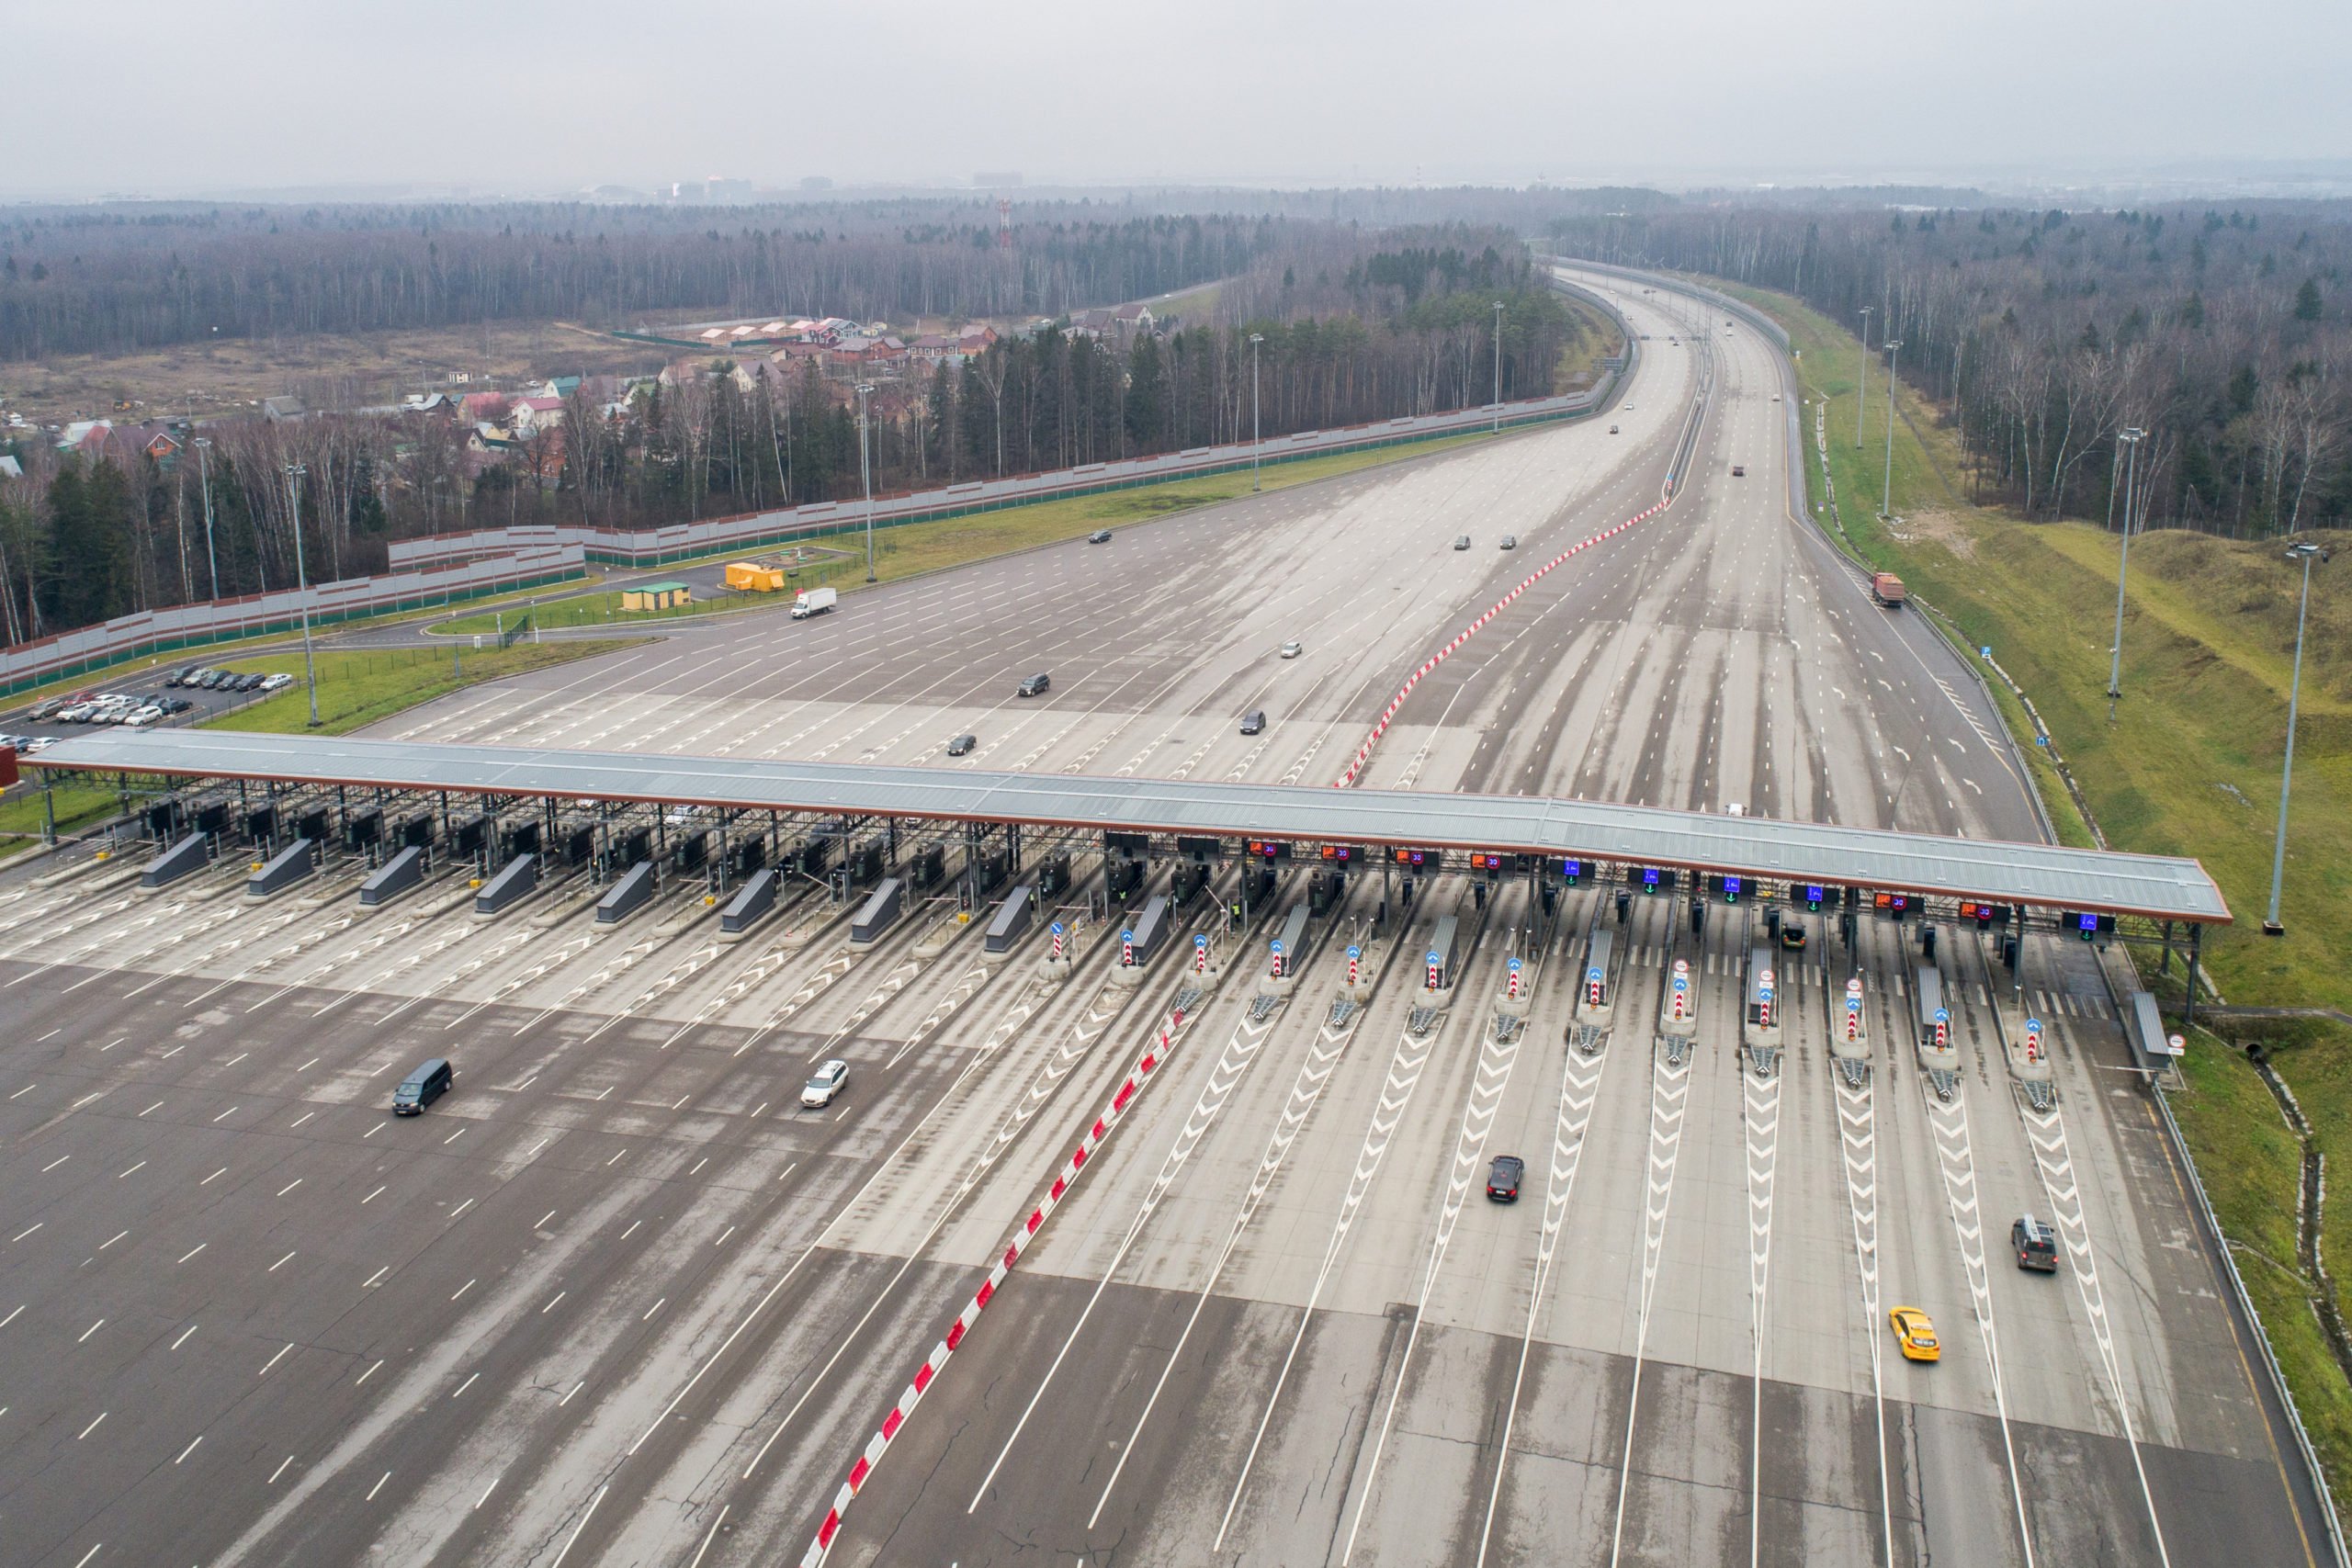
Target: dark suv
(1503, 1177)
(1036, 685)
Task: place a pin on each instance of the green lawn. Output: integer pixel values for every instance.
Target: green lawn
(357, 688)
(2189, 765)
(916, 547)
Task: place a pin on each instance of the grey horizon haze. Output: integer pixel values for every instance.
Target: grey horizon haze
(534, 97)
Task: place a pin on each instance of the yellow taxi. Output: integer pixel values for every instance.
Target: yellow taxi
(1915, 1335)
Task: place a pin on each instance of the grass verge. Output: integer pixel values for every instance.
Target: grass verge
(2189, 764)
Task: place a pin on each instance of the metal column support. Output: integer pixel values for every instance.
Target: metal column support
(1012, 846)
(2195, 948)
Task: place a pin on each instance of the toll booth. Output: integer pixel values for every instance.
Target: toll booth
(415, 832)
(1053, 876)
(990, 868)
(162, 819)
(260, 824)
(2152, 1047)
(515, 882)
(185, 858)
(929, 868)
(578, 844)
(394, 878)
(1596, 989)
(754, 899)
(1294, 939)
(632, 892)
(1927, 1003)
(1122, 875)
(878, 914)
(362, 829)
(1151, 928)
(747, 856)
(312, 825)
(1186, 882)
(467, 837)
(523, 839)
(1324, 891)
(865, 861)
(689, 850)
(1764, 997)
(212, 817)
(1011, 920)
(811, 855)
(1444, 953)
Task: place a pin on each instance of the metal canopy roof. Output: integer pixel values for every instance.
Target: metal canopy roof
(2158, 887)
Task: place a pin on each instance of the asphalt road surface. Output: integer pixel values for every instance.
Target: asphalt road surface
(620, 1299)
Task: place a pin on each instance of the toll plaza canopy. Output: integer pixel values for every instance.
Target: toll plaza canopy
(2040, 875)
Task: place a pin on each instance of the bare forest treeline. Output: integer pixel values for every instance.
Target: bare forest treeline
(1354, 327)
(2224, 334)
(109, 279)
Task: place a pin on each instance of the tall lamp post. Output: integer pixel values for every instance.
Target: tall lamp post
(1863, 397)
(2306, 554)
(865, 473)
(1499, 368)
(1886, 503)
(294, 472)
(2130, 436)
(204, 472)
(1255, 339)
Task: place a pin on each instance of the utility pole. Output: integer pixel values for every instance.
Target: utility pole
(865, 472)
(204, 470)
(2130, 437)
(1499, 368)
(1863, 397)
(294, 472)
(2306, 554)
(1886, 506)
(1255, 339)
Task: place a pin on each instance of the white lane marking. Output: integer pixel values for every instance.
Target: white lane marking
(1670, 1094)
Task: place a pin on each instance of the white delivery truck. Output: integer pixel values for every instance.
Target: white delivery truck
(814, 602)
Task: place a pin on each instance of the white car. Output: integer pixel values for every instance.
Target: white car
(40, 743)
(277, 683)
(1292, 648)
(140, 718)
(826, 1083)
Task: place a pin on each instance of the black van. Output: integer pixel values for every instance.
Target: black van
(2035, 1244)
(422, 1087)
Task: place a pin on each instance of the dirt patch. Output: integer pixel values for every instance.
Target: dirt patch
(1949, 529)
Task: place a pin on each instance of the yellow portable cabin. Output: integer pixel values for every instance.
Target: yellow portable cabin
(656, 596)
(752, 577)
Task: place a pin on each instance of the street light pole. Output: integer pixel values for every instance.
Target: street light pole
(2306, 554)
(294, 472)
(1863, 397)
(1886, 506)
(865, 473)
(204, 470)
(2131, 436)
(1499, 368)
(1255, 339)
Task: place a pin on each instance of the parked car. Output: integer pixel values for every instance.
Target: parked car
(181, 676)
(277, 683)
(177, 704)
(252, 681)
(1036, 685)
(1100, 536)
(962, 745)
(1292, 648)
(140, 718)
(40, 743)
(1915, 1335)
(825, 1083)
(1503, 1178)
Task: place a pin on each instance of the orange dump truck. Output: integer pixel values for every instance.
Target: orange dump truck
(1887, 589)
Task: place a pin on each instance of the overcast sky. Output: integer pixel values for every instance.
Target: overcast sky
(534, 96)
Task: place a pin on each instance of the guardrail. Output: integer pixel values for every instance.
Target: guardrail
(663, 546)
(92, 648)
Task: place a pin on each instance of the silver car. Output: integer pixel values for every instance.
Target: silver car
(824, 1084)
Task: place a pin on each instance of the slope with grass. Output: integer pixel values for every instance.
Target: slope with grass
(2189, 764)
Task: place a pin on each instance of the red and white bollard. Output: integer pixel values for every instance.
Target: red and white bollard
(1513, 991)
(1057, 941)
(1355, 965)
(1200, 956)
(2034, 1040)
(1127, 950)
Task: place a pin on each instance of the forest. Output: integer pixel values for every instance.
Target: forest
(1353, 327)
(2223, 333)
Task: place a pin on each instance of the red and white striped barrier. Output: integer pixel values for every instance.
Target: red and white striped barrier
(1363, 752)
(928, 1373)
